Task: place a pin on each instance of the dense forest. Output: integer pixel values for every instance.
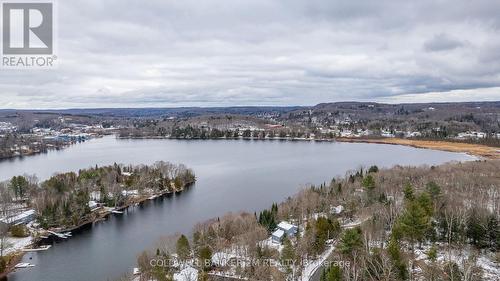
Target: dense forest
(403, 223)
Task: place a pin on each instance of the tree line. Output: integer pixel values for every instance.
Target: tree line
(63, 199)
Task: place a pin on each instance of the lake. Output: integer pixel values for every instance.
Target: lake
(232, 175)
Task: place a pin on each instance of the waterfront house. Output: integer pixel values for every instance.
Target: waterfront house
(387, 134)
(93, 205)
(20, 218)
(133, 192)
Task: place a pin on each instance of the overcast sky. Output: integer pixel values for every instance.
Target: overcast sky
(118, 53)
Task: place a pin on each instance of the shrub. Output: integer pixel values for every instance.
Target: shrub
(3, 264)
(19, 231)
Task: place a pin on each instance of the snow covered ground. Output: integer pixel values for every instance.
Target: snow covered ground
(270, 244)
(491, 270)
(187, 274)
(355, 223)
(16, 244)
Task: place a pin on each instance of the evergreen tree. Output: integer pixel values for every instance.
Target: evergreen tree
(197, 236)
(288, 256)
(19, 186)
(183, 248)
(368, 182)
(433, 189)
(476, 230)
(413, 223)
(332, 273)
(432, 253)
(409, 192)
(351, 241)
(205, 258)
(373, 169)
(394, 251)
(267, 218)
(425, 201)
(325, 229)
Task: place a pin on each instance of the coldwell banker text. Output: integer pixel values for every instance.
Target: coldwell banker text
(28, 35)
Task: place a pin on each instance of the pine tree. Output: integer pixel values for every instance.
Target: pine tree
(476, 230)
(351, 241)
(413, 223)
(425, 201)
(288, 256)
(19, 185)
(409, 192)
(368, 182)
(332, 273)
(373, 169)
(433, 189)
(432, 253)
(394, 251)
(205, 258)
(183, 248)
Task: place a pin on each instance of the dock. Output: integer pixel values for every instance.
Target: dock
(24, 265)
(42, 248)
(60, 235)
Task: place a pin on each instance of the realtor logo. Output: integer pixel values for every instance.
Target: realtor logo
(27, 34)
(27, 28)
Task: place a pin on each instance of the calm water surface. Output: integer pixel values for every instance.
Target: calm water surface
(231, 175)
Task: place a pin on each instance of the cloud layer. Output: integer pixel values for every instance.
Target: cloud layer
(121, 53)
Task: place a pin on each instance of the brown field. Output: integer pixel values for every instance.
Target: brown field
(472, 149)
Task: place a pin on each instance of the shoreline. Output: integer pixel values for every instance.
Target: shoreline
(102, 214)
(477, 150)
(11, 267)
(105, 212)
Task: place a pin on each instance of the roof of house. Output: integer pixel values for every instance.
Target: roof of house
(278, 233)
(286, 225)
(19, 216)
(338, 209)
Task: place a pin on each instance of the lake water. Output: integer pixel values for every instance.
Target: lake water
(232, 175)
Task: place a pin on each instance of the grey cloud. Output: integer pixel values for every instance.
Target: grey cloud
(442, 42)
(250, 52)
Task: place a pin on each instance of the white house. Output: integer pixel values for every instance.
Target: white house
(387, 134)
(93, 205)
(472, 135)
(133, 192)
(413, 134)
(287, 228)
(337, 210)
(277, 236)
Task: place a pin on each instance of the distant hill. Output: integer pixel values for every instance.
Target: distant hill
(166, 112)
